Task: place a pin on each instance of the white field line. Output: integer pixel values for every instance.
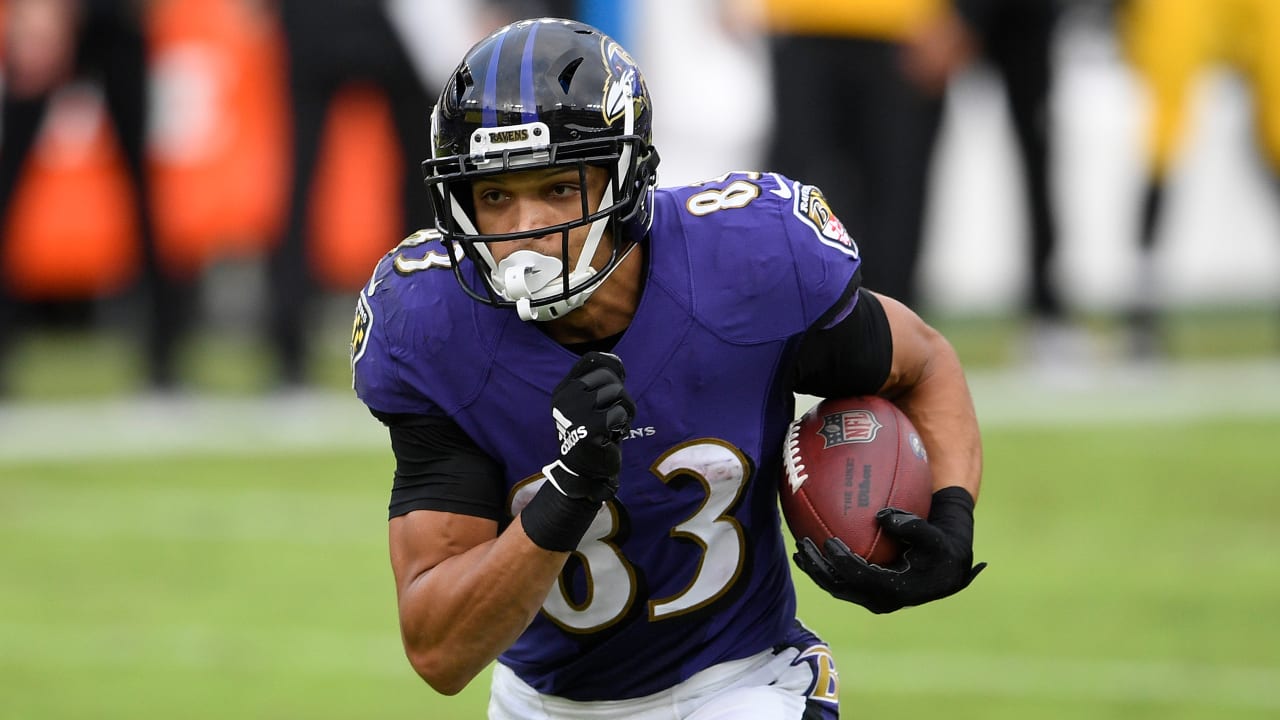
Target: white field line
(321, 420)
(133, 427)
(184, 514)
(77, 647)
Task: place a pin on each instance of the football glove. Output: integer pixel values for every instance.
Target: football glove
(937, 558)
(593, 413)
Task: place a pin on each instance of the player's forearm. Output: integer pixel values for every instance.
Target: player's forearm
(941, 408)
(928, 383)
(459, 616)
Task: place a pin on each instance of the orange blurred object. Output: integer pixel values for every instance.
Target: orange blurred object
(219, 138)
(71, 228)
(220, 167)
(355, 209)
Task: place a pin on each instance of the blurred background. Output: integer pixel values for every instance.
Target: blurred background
(1084, 195)
(277, 153)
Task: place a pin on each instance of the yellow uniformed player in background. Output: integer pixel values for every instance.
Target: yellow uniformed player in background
(886, 19)
(1170, 44)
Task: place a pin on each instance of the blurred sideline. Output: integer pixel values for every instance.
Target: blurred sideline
(223, 172)
(327, 420)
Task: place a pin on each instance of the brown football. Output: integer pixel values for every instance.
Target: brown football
(845, 460)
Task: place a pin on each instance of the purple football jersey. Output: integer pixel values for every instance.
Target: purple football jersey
(688, 566)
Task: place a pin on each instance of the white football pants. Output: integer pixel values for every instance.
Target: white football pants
(765, 686)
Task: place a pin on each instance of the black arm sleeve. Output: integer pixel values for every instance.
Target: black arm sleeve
(439, 467)
(852, 357)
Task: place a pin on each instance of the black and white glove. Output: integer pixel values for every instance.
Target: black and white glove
(593, 413)
(937, 558)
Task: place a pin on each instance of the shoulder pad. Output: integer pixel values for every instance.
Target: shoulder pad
(766, 253)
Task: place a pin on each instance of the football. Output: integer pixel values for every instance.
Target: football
(846, 459)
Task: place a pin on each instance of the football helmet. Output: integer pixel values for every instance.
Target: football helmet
(538, 94)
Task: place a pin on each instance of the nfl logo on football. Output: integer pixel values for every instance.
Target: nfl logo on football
(851, 426)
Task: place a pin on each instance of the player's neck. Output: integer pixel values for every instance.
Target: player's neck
(610, 308)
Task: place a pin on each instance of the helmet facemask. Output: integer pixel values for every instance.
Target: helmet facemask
(536, 284)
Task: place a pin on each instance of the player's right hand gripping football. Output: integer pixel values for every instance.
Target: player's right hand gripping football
(937, 558)
(593, 413)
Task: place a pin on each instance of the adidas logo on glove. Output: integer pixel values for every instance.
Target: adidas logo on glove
(569, 435)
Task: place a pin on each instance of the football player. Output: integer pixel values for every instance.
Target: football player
(1171, 45)
(588, 382)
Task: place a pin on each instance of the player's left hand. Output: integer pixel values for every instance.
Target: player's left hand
(937, 558)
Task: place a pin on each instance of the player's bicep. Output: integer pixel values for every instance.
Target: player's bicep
(447, 495)
(916, 347)
(422, 539)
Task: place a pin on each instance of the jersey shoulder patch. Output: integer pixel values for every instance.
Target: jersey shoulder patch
(361, 327)
(812, 208)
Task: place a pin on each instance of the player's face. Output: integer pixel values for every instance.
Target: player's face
(520, 201)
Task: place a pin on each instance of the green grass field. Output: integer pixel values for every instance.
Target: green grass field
(1134, 570)
(1133, 574)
